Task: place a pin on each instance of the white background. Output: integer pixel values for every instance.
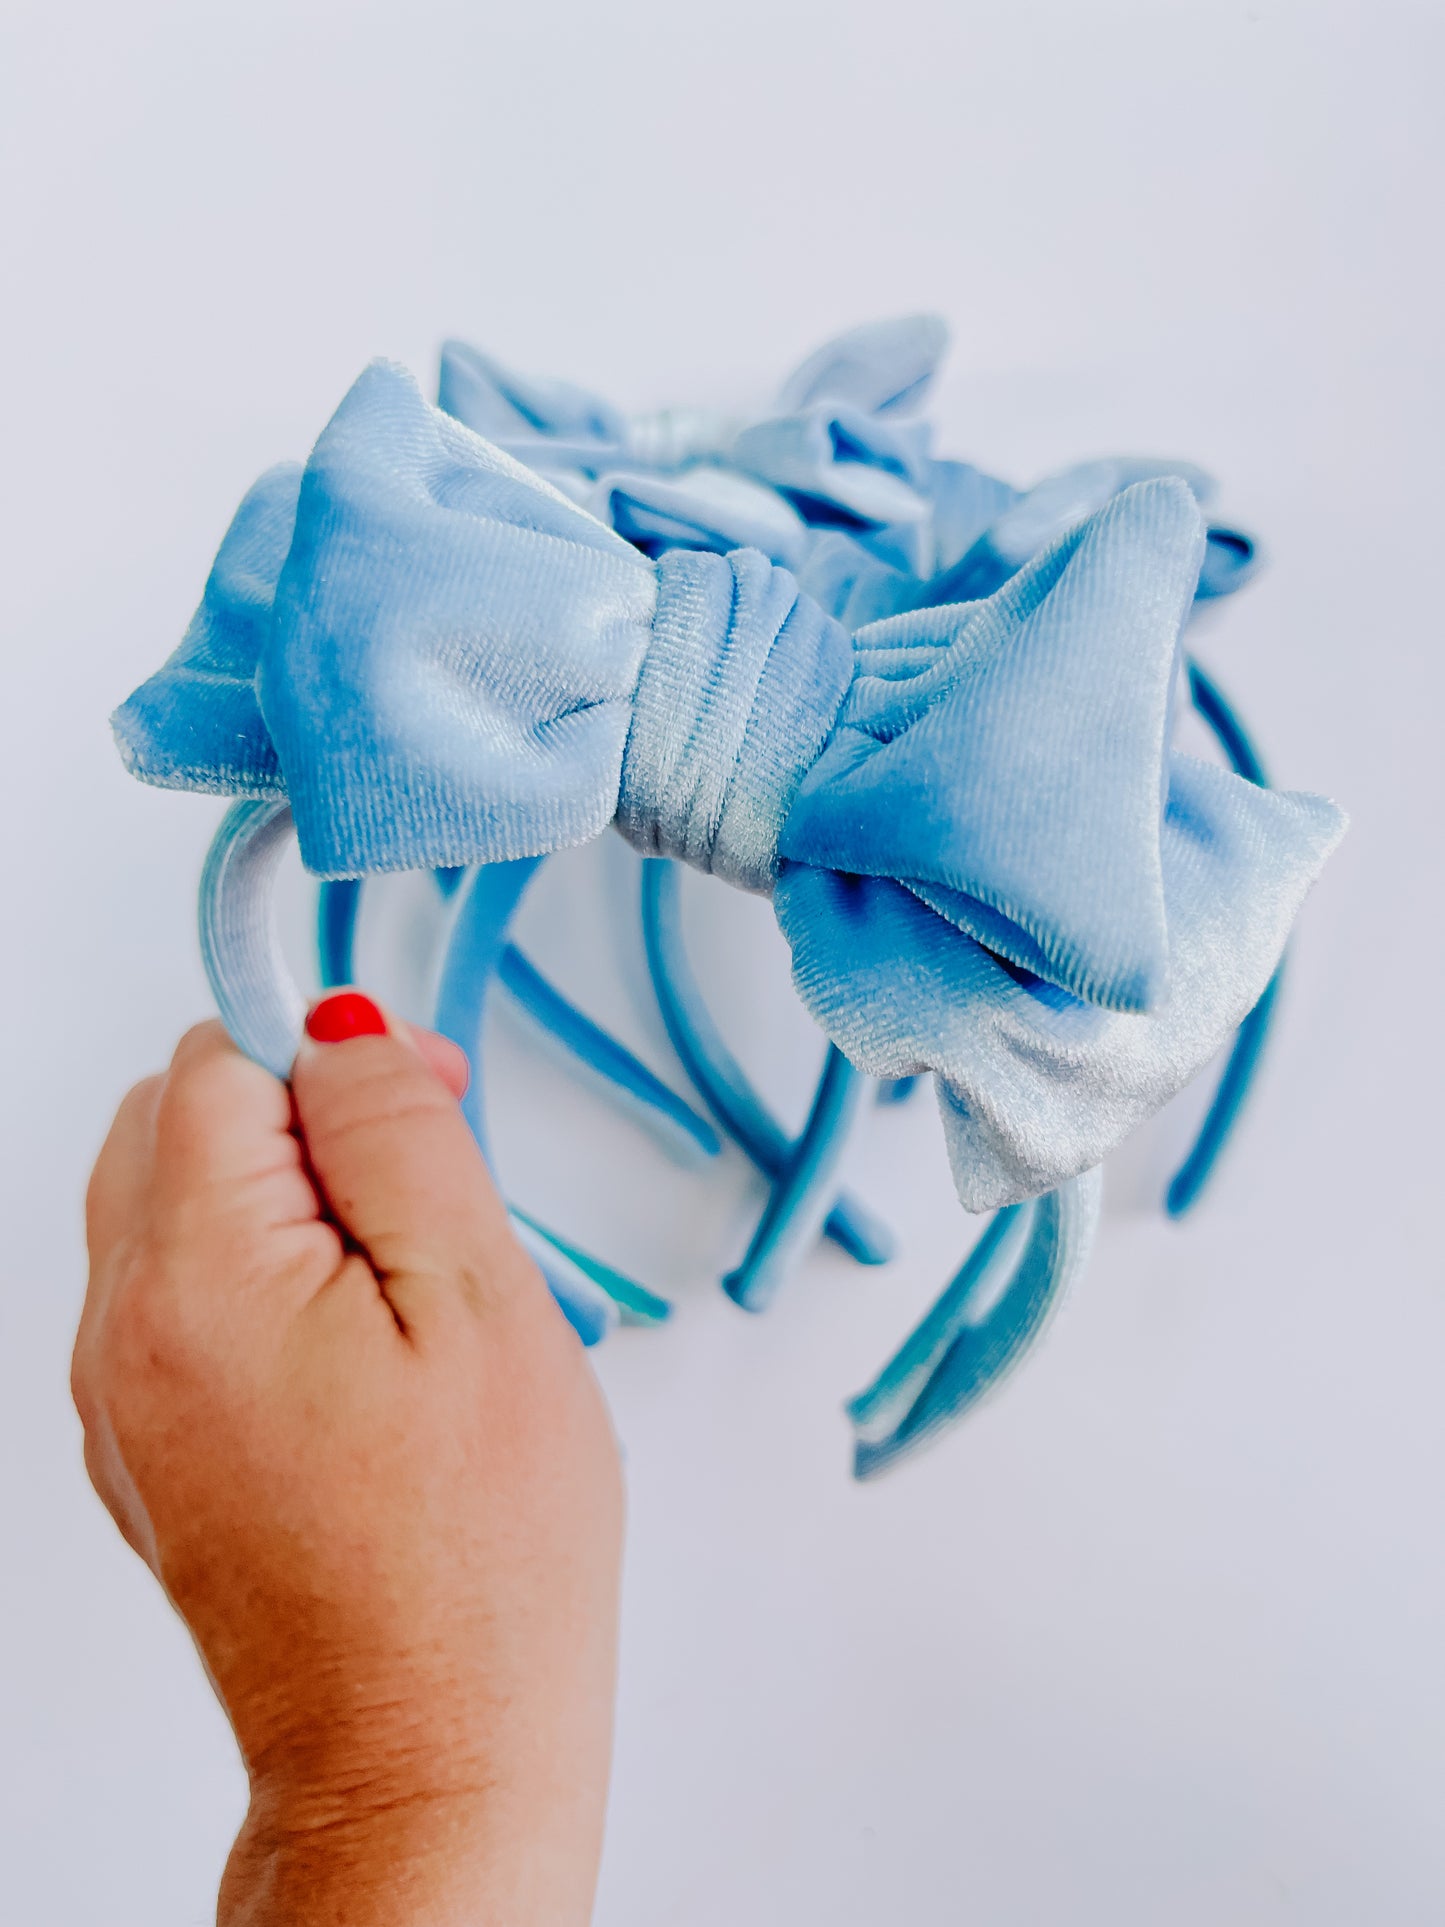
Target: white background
(1156, 1638)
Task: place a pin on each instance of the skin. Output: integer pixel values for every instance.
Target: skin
(331, 1404)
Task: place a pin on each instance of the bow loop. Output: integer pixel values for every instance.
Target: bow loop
(449, 668)
(1005, 759)
(494, 401)
(197, 724)
(840, 466)
(881, 366)
(1025, 524)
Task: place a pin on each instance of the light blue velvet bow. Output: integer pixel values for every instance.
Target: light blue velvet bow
(985, 857)
(979, 530)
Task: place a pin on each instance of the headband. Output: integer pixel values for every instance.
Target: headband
(986, 859)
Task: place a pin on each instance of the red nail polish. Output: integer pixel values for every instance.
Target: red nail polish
(346, 1013)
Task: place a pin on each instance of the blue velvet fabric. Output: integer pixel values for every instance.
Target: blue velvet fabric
(885, 367)
(838, 484)
(986, 857)
(497, 402)
(707, 507)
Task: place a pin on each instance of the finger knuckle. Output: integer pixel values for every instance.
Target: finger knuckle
(201, 1040)
(140, 1097)
(143, 1333)
(199, 1092)
(380, 1100)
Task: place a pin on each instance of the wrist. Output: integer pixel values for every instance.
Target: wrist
(376, 1861)
(391, 1857)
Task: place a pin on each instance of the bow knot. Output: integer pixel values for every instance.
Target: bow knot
(738, 692)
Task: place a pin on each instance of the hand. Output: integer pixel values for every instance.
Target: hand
(332, 1405)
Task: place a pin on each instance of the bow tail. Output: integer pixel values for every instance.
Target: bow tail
(1036, 1086)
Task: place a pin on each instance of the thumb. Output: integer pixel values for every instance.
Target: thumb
(391, 1152)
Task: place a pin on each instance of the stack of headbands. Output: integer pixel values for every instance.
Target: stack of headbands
(927, 714)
